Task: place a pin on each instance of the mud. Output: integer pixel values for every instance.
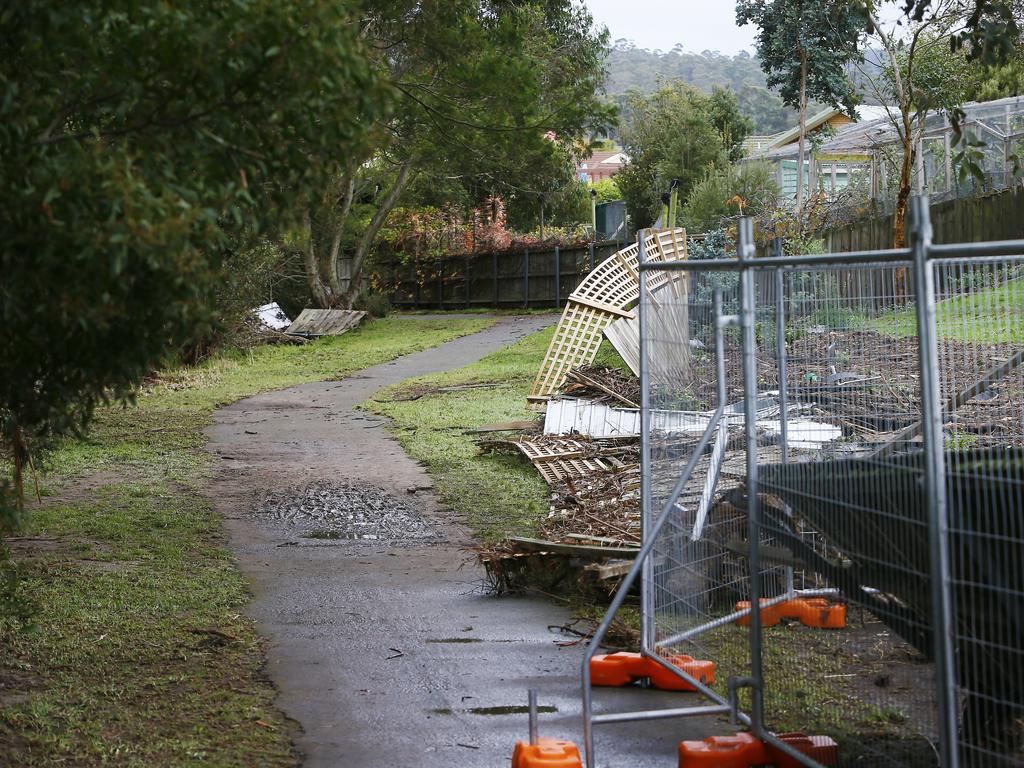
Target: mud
(362, 632)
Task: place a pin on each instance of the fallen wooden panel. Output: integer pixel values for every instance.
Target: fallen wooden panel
(604, 296)
(559, 459)
(668, 345)
(624, 336)
(325, 322)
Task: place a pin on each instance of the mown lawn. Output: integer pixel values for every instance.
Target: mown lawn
(139, 654)
(991, 316)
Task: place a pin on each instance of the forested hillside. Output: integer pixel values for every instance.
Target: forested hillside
(631, 68)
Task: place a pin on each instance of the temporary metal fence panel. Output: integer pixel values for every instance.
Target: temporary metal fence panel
(862, 475)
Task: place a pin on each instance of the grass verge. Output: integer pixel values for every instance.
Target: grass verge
(498, 496)
(139, 654)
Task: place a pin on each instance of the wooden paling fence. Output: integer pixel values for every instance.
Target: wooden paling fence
(529, 278)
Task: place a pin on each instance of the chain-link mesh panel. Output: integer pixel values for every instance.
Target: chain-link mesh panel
(846, 509)
(980, 327)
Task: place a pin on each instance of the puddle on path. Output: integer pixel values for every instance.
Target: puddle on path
(341, 535)
(343, 511)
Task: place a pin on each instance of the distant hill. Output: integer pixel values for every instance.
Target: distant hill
(638, 69)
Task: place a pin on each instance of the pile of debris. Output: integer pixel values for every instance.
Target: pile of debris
(594, 476)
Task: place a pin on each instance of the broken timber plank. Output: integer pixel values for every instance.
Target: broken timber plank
(505, 426)
(613, 569)
(578, 550)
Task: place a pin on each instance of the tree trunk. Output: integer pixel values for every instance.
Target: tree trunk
(334, 256)
(19, 452)
(312, 267)
(405, 175)
(899, 229)
(801, 143)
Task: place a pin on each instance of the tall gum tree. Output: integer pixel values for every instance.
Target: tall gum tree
(805, 47)
(481, 88)
(919, 76)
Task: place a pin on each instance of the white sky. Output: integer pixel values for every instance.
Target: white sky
(699, 25)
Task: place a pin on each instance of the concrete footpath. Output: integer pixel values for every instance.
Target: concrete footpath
(388, 653)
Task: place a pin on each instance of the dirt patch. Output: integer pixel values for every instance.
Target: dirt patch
(81, 488)
(16, 685)
(29, 549)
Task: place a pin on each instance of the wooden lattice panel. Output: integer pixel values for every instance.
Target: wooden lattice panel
(604, 296)
(559, 459)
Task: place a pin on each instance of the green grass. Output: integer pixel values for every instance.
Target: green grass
(498, 495)
(140, 654)
(991, 315)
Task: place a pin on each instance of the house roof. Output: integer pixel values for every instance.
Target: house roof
(864, 112)
(876, 129)
(615, 157)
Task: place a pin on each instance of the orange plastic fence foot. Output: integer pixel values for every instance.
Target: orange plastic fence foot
(821, 748)
(739, 751)
(617, 669)
(546, 753)
(744, 751)
(809, 611)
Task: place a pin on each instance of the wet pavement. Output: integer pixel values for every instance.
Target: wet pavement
(385, 650)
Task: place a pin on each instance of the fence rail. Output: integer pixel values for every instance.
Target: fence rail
(526, 278)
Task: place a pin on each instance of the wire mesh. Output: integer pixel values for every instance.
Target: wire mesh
(980, 325)
(842, 500)
(852, 386)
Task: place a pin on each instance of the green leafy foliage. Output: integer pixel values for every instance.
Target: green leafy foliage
(991, 31)
(493, 98)
(749, 189)
(822, 35)
(678, 132)
(607, 191)
(141, 143)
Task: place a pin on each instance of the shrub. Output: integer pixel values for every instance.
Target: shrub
(374, 304)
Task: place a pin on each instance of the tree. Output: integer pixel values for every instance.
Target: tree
(678, 132)
(746, 189)
(804, 47)
(920, 76)
(139, 141)
(991, 32)
(493, 95)
(607, 191)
